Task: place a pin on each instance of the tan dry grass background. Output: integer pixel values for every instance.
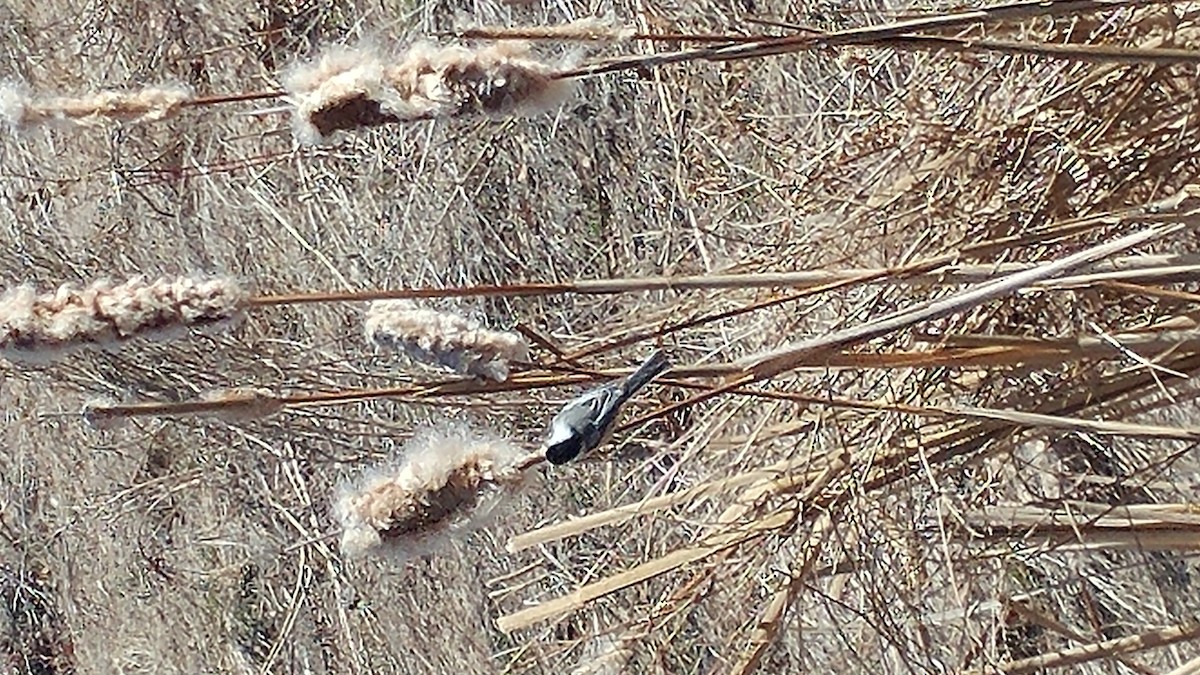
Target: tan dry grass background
(163, 545)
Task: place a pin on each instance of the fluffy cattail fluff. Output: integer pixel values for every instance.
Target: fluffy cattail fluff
(444, 339)
(42, 326)
(22, 111)
(447, 481)
(351, 89)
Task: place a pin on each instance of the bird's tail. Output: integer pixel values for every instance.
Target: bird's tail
(650, 369)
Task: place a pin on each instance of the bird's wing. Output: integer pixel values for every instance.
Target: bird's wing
(589, 409)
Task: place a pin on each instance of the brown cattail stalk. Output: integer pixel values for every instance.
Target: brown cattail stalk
(23, 111)
(587, 29)
(447, 481)
(39, 327)
(879, 35)
(444, 339)
(235, 404)
(352, 89)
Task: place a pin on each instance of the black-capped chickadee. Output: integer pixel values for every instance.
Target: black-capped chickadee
(586, 422)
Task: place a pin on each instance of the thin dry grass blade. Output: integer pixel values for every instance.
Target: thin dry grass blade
(1038, 618)
(1190, 668)
(1165, 268)
(1071, 52)
(1103, 427)
(771, 618)
(1074, 656)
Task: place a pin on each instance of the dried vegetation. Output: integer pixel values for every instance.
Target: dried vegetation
(931, 287)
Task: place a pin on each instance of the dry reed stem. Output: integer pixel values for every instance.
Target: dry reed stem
(1073, 52)
(22, 111)
(1070, 52)
(773, 613)
(1038, 618)
(41, 327)
(444, 339)
(779, 360)
(1163, 541)
(1135, 340)
(1190, 668)
(587, 29)
(580, 597)
(447, 481)
(864, 36)
(235, 404)
(1160, 267)
(1073, 656)
(724, 539)
(1156, 268)
(1008, 351)
(1043, 421)
(354, 89)
(239, 404)
(1081, 519)
(620, 514)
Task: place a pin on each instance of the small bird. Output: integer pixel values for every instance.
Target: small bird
(587, 422)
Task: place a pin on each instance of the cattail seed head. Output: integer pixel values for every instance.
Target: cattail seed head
(22, 111)
(447, 481)
(349, 89)
(444, 339)
(36, 327)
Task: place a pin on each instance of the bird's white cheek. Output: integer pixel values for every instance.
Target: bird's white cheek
(558, 434)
